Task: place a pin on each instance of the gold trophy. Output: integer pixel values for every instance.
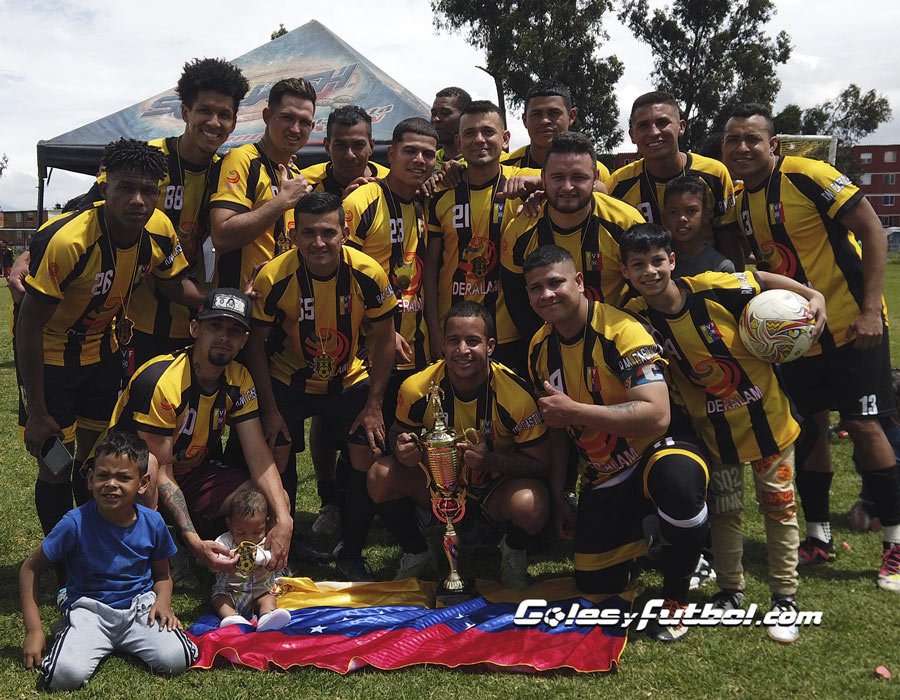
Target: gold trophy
(447, 483)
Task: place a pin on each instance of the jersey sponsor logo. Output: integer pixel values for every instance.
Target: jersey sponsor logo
(719, 377)
(623, 460)
(479, 288)
(781, 259)
(348, 217)
(176, 251)
(52, 270)
(776, 213)
(384, 294)
(406, 278)
(710, 332)
(167, 410)
(648, 353)
(737, 400)
(834, 188)
(245, 398)
(479, 258)
(233, 177)
(528, 423)
(593, 261)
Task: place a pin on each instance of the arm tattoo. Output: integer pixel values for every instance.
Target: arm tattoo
(172, 500)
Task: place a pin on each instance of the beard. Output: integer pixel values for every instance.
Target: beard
(219, 359)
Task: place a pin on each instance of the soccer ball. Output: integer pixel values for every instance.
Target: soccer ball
(777, 326)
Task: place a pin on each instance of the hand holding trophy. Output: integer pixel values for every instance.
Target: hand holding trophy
(445, 473)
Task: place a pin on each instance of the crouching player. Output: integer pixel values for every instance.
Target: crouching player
(734, 402)
(602, 375)
(119, 592)
(504, 470)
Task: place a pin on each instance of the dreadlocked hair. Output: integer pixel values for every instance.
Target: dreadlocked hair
(131, 155)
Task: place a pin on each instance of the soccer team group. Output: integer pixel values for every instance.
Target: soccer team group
(581, 321)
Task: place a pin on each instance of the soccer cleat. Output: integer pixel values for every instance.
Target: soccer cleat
(815, 551)
(728, 600)
(703, 573)
(889, 575)
(416, 565)
(352, 569)
(668, 632)
(786, 630)
(328, 523)
(513, 567)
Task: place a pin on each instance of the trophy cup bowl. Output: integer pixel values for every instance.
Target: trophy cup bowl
(446, 481)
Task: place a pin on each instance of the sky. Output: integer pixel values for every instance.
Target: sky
(66, 63)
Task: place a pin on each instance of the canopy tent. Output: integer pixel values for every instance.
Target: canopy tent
(340, 74)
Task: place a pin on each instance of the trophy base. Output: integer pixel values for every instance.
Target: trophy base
(446, 598)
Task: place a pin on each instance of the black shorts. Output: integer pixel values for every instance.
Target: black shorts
(857, 383)
(608, 526)
(145, 346)
(337, 412)
(79, 397)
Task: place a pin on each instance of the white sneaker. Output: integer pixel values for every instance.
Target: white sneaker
(789, 631)
(234, 620)
(513, 567)
(273, 620)
(416, 565)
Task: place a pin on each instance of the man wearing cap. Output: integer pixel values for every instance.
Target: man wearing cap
(179, 405)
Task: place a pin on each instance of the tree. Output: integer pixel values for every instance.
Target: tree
(711, 55)
(281, 31)
(529, 40)
(4, 161)
(850, 116)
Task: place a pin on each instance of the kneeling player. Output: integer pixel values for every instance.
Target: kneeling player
(602, 373)
(734, 402)
(503, 470)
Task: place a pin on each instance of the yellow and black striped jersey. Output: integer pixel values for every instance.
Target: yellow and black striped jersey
(248, 179)
(75, 264)
(184, 197)
(321, 176)
(521, 158)
(316, 323)
(164, 398)
(469, 221)
(615, 352)
(393, 232)
(733, 399)
(794, 218)
(503, 410)
(632, 184)
(594, 246)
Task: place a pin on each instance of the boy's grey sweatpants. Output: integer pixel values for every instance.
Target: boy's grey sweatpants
(95, 630)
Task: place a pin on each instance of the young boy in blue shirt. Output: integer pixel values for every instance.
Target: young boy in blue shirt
(119, 592)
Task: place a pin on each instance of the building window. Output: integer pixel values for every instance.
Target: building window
(890, 178)
(890, 156)
(888, 200)
(866, 179)
(29, 217)
(865, 158)
(18, 217)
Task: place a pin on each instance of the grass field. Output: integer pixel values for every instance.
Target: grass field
(836, 660)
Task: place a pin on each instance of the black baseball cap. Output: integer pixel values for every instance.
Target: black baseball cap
(226, 302)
